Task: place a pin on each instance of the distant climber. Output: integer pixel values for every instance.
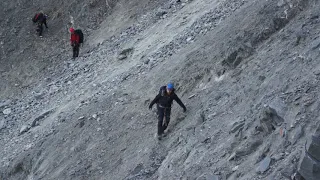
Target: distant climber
(40, 19)
(76, 39)
(164, 101)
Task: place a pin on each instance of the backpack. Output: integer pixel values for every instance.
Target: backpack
(80, 34)
(39, 17)
(35, 17)
(162, 90)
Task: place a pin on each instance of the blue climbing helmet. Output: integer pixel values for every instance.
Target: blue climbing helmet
(170, 86)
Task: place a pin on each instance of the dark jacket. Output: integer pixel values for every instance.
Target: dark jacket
(40, 18)
(165, 100)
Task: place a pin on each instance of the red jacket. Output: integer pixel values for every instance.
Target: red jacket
(75, 39)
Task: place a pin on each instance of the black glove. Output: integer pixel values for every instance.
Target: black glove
(150, 107)
(184, 109)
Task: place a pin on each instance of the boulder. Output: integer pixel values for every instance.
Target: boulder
(269, 119)
(309, 167)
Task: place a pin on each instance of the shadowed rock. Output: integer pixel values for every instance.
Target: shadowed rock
(43, 115)
(270, 119)
(237, 126)
(310, 165)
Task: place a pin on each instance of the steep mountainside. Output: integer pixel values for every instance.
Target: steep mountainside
(247, 72)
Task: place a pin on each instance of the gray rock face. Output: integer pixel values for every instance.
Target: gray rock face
(113, 138)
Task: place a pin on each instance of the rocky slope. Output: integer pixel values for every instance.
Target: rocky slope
(246, 70)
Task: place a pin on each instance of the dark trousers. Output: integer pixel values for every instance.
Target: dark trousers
(163, 119)
(75, 49)
(40, 27)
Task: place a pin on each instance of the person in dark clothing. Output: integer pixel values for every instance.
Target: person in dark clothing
(75, 42)
(164, 101)
(40, 19)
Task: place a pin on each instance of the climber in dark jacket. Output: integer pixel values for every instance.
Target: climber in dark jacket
(40, 19)
(164, 101)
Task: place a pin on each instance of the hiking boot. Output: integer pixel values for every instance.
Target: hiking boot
(158, 136)
(164, 135)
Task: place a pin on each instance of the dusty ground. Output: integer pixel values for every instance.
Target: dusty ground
(246, 70)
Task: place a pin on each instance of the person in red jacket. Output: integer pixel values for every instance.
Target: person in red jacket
(75, 42)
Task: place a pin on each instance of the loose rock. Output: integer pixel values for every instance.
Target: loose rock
(146, 61)
(232, 156)
(264, 165)
(235, 168)
(193, 95)
(7, 111)
(297, 134)
(206, 176)
(24, 128)
(277, 157)
(124, 53)
(236, 126)
(2, 124)
(161, 13)
(122, 57)
(270, 119)
(5, 103)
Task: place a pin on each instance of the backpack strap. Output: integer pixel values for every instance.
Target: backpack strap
(37, 16)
